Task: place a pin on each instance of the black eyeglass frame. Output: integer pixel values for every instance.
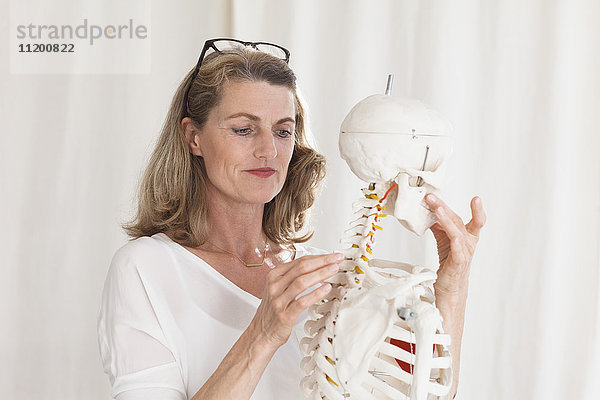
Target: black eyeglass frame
(210, 44)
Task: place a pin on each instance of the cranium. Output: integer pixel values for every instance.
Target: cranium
(385, 139)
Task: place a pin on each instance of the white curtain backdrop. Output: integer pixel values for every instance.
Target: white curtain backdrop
(518, 79)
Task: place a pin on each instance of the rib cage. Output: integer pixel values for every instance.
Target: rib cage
(350, 350)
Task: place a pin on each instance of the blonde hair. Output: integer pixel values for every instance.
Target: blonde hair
(172, 192)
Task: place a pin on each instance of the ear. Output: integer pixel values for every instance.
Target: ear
(191, 134)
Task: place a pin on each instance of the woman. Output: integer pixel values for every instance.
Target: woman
(203, 302)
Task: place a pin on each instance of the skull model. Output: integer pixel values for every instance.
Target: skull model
(378, 334)
(388, 139)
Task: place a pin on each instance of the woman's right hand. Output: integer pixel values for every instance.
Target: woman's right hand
(281, 306)
(241, 369)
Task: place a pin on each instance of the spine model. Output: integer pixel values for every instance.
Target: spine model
(377, 335)
(368, 211)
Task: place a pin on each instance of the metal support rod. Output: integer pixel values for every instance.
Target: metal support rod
(419, 179)
(388, 85)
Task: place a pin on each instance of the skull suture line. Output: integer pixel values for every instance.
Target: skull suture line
(378, 334)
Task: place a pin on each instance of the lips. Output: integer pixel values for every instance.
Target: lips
(261, 172)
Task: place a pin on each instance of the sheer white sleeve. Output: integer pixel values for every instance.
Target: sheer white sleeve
(135, 353)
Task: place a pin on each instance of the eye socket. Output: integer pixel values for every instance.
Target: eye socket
(413, 181)
(242, 131)
(283, 133)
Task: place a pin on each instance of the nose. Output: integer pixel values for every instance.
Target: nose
(265, 145)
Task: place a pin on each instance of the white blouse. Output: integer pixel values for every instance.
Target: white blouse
(167, 320)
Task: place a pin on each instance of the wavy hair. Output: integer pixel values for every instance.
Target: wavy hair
(172, 194)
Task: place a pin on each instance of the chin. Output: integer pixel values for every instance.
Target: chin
(267, 198)
(260, 192)
(258, 196)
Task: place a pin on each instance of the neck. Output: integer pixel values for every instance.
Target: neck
(236, 227)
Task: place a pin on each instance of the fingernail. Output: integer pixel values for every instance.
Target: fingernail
(440, 210)
(326, 287)
(338, 256)
(431, 198)
(334, 268)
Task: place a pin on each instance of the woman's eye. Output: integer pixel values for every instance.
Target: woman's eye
(242, 131)
(283, 133)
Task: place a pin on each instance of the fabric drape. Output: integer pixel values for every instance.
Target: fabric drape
(518, 79)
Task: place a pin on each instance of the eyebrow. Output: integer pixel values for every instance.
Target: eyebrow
(256, 118)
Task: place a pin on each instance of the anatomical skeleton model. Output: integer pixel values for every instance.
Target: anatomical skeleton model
(378, 334)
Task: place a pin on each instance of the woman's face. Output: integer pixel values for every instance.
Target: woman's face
(247, 142)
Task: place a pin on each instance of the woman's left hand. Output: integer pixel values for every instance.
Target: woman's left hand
(456, 243)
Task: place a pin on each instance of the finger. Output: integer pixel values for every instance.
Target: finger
(476, 223)
(302, 303)
(279, 282)
(448, 224)
(312, 262)
(305, 281)
(435, 202)
(436, 228)
(459, 255)
(438, 232)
